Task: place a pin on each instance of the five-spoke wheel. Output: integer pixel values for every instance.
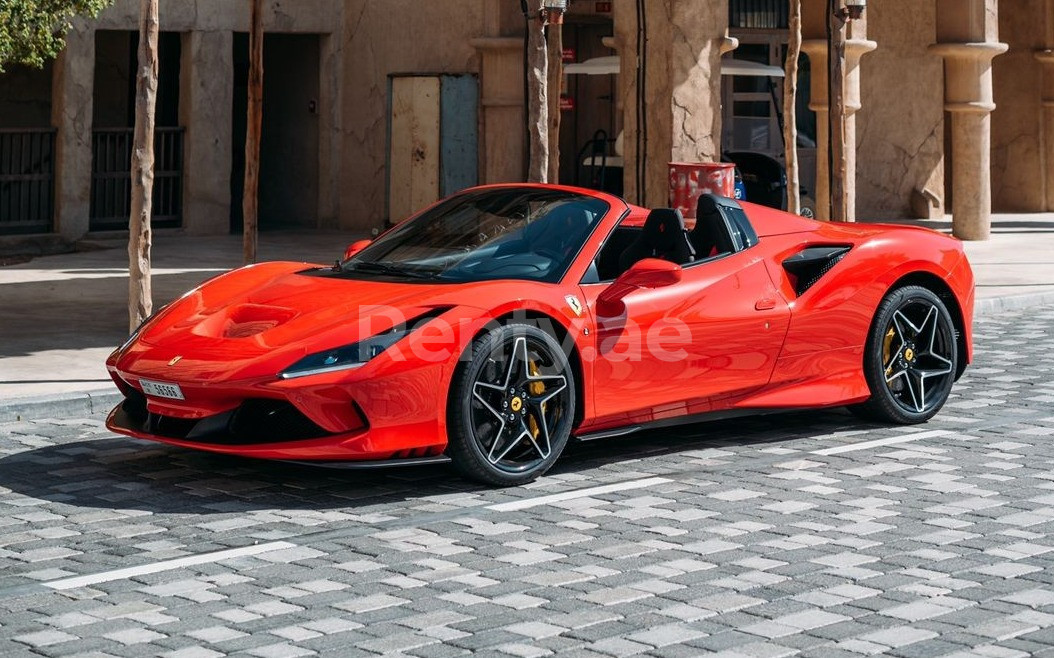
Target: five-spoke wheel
(911, 357)
(512, 406)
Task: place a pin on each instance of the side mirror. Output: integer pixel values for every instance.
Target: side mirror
(355, 247)
(646, 273)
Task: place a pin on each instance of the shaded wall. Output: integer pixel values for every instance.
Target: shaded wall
(900, 126)
(1017, 161)
(25, 97)
(420, 37)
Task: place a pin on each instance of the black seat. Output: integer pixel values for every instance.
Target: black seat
(710, 236)
(663, 237)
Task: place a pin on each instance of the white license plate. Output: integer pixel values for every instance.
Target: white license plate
(162, 389)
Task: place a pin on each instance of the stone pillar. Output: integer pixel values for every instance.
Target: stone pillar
(814, 45)
(1046, 129)
(967, 39)
(72, 96)
(501, 100)
(816, 50)
(855, 47)
(681, 73)
(205, 96)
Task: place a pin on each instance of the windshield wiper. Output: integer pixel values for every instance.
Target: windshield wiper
(387, 268)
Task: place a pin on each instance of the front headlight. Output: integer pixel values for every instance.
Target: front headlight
(357, 354)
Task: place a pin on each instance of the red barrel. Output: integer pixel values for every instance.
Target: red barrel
(689, 180)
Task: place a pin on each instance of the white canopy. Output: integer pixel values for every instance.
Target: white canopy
(595, 66)
(729, 66)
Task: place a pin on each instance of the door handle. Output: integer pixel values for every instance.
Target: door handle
(765, 304)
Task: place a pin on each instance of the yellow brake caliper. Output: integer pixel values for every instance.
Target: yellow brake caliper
(887, 349)
(534, 388)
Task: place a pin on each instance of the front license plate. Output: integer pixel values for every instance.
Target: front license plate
(162, 389)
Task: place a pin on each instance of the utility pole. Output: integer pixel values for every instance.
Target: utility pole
(836, 29)
(838, 18)
(790, 114)
(537, 95)
(140, 302)
(555, 48)
(254, 127)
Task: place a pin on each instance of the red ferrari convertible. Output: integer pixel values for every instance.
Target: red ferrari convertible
(498, 324)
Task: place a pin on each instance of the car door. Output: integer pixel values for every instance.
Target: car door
(690, 347)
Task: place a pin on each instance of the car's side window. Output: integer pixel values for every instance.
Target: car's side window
(606, 264)
(721, 232)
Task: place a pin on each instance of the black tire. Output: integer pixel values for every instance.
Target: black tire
(910, 359)
(512, 406)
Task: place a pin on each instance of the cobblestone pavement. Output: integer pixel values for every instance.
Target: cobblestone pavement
(808, 533)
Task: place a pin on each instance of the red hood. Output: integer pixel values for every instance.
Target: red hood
(268, 308)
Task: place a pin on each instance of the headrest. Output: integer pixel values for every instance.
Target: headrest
(707, 205)
(664, 227)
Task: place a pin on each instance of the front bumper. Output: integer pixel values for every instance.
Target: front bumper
(377, 414)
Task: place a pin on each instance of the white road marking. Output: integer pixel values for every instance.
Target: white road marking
(165, 565)
(877, 443)
(528, 503)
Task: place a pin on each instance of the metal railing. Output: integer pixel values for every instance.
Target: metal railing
(762, 14)
(111, 188)
(27, 180)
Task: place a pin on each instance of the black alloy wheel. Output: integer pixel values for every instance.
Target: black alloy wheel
(511, 407)
(911, 357)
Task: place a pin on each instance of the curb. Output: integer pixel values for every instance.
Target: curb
(100, 402)
(994, 305)
(66, 405)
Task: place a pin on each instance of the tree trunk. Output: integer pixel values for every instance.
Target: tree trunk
(790, 117)
(140, 303)
(537, 98)
(254, 128)
(836, 114)
(555, 48)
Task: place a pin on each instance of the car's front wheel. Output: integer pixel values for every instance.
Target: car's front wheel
(910, 357)
(512, 406)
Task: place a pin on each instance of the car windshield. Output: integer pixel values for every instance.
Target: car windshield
(496, 233)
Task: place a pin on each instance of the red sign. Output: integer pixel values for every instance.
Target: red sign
(569, 55)
(603, 7)
(567, 104)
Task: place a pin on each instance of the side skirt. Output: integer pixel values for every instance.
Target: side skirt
(682, 420)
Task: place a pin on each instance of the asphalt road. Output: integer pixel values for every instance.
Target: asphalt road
(809, 533)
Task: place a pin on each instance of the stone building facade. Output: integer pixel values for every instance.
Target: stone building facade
(375, 108)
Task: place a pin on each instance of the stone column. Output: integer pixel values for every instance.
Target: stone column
(206, 93)
(681, 118)
(72, 96)
(967, 35)
(1046, 130)
(501, 100)
(855, 48)
(814, 45)
(816, 50)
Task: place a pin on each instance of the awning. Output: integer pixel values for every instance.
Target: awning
(729, 66)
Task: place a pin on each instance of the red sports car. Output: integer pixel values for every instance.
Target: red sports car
(497, 324)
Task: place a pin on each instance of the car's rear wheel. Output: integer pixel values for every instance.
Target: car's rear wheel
(910, 357)
(511, 406)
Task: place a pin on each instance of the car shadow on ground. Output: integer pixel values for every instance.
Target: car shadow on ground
(124, 473)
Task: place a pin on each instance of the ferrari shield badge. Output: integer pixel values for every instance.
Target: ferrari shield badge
(574, 304)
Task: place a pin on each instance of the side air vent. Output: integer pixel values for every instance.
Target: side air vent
(809, 265)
